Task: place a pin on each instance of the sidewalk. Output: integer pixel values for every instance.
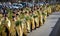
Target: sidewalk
(47, 28)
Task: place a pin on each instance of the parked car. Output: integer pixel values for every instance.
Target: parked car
(20, 6)
(14, 6)
(23, 3)
(30, 5)
(42, 3)
(1, 6)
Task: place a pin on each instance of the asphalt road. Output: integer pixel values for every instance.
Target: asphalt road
(50, 28)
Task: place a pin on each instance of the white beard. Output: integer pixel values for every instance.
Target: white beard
(9, 23)
(0, 22)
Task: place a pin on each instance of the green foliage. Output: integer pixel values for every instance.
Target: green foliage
(43, 14)
(43, 6)
(1, 28)
(35, 16)
(17, 23)
(4, 22)
(27, 18)
(9, 13)
(22, 16)
(32, 15)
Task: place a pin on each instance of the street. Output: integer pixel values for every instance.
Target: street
(51, 26)
(29, 17)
